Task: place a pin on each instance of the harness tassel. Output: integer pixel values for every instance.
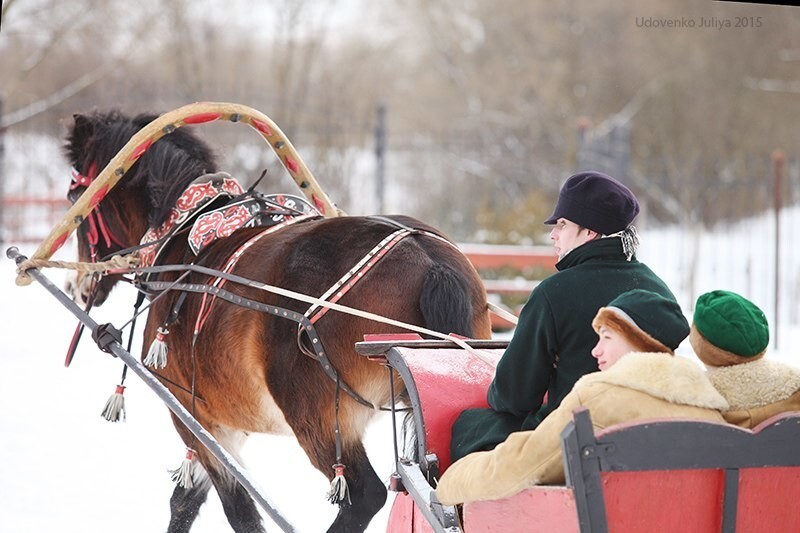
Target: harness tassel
(114, 411)
(184, 475)
(157, 354)
(339, 492)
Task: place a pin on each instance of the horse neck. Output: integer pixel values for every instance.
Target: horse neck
(129, 212)
(175, 252)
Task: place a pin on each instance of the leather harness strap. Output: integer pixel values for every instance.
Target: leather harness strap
(202, 316)
(355, 274)
(305, 325)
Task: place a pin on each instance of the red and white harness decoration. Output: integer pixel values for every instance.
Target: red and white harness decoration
(257, 210)
(217, 225)
(194, 197)
(208, 300)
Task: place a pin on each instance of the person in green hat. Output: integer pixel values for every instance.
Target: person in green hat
(639, 378)
(730, 335)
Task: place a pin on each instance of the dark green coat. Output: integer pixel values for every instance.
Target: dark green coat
(552, 344)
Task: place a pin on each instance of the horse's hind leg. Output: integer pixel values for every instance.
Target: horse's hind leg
(366, 491)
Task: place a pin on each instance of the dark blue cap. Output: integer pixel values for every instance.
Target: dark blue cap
(597, 202)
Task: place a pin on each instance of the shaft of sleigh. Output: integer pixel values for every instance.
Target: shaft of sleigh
(108, 343)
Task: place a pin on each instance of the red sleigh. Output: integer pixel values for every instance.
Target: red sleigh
(659, 475)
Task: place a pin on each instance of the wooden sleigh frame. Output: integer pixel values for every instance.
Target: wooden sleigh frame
(656, 475)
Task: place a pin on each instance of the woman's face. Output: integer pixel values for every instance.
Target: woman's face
(610, 348)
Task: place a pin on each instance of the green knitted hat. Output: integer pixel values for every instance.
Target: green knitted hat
(734, 327)
(654, 317)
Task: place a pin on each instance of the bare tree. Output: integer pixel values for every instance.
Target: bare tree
(54, 50)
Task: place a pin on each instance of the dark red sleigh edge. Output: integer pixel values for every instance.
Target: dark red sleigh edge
(656, 475)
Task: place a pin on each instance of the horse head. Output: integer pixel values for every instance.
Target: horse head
(140, 200)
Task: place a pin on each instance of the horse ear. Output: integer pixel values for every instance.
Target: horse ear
(82, 127)
(77, 138)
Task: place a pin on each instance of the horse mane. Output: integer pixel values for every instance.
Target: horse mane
(164, 171)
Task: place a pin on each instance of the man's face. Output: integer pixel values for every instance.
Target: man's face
(567, 236)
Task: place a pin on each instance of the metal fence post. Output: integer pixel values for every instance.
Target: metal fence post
(2, 173)
(778, 159)
(380, 156)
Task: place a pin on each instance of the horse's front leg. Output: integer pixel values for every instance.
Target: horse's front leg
(238, 505)
(185, 504)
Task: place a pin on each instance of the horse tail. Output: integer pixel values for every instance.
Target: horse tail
(444, 302)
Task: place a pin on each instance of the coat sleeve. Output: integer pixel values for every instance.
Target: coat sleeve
(524, 371)
(526, 458)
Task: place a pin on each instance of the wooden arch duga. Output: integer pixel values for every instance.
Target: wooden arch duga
(191, 114)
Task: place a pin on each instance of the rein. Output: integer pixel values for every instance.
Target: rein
(305, 325)
(97, 224)
(303, 298)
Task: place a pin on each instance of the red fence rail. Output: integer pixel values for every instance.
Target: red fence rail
(27, 219)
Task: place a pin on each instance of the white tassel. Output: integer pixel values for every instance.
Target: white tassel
(339, 490)
(114, 411)
(184, 476)
(157, 354)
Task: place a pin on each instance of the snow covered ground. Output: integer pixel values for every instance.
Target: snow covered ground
(64, 468)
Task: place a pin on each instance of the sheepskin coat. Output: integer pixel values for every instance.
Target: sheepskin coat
(552, 344)
(757, 390)
(639, 386)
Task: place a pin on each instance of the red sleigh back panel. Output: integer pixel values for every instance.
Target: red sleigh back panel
(445, 382)
(688, 501)
(769, 499)
(685, 475)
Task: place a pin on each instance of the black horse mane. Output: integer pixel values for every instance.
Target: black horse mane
(164, 171)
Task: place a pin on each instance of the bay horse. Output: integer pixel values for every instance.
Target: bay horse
(245, 370)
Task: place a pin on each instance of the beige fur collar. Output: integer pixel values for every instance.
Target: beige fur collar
(756, 383)
(671, 378)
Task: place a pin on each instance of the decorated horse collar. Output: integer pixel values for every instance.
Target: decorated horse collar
(217, 205)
